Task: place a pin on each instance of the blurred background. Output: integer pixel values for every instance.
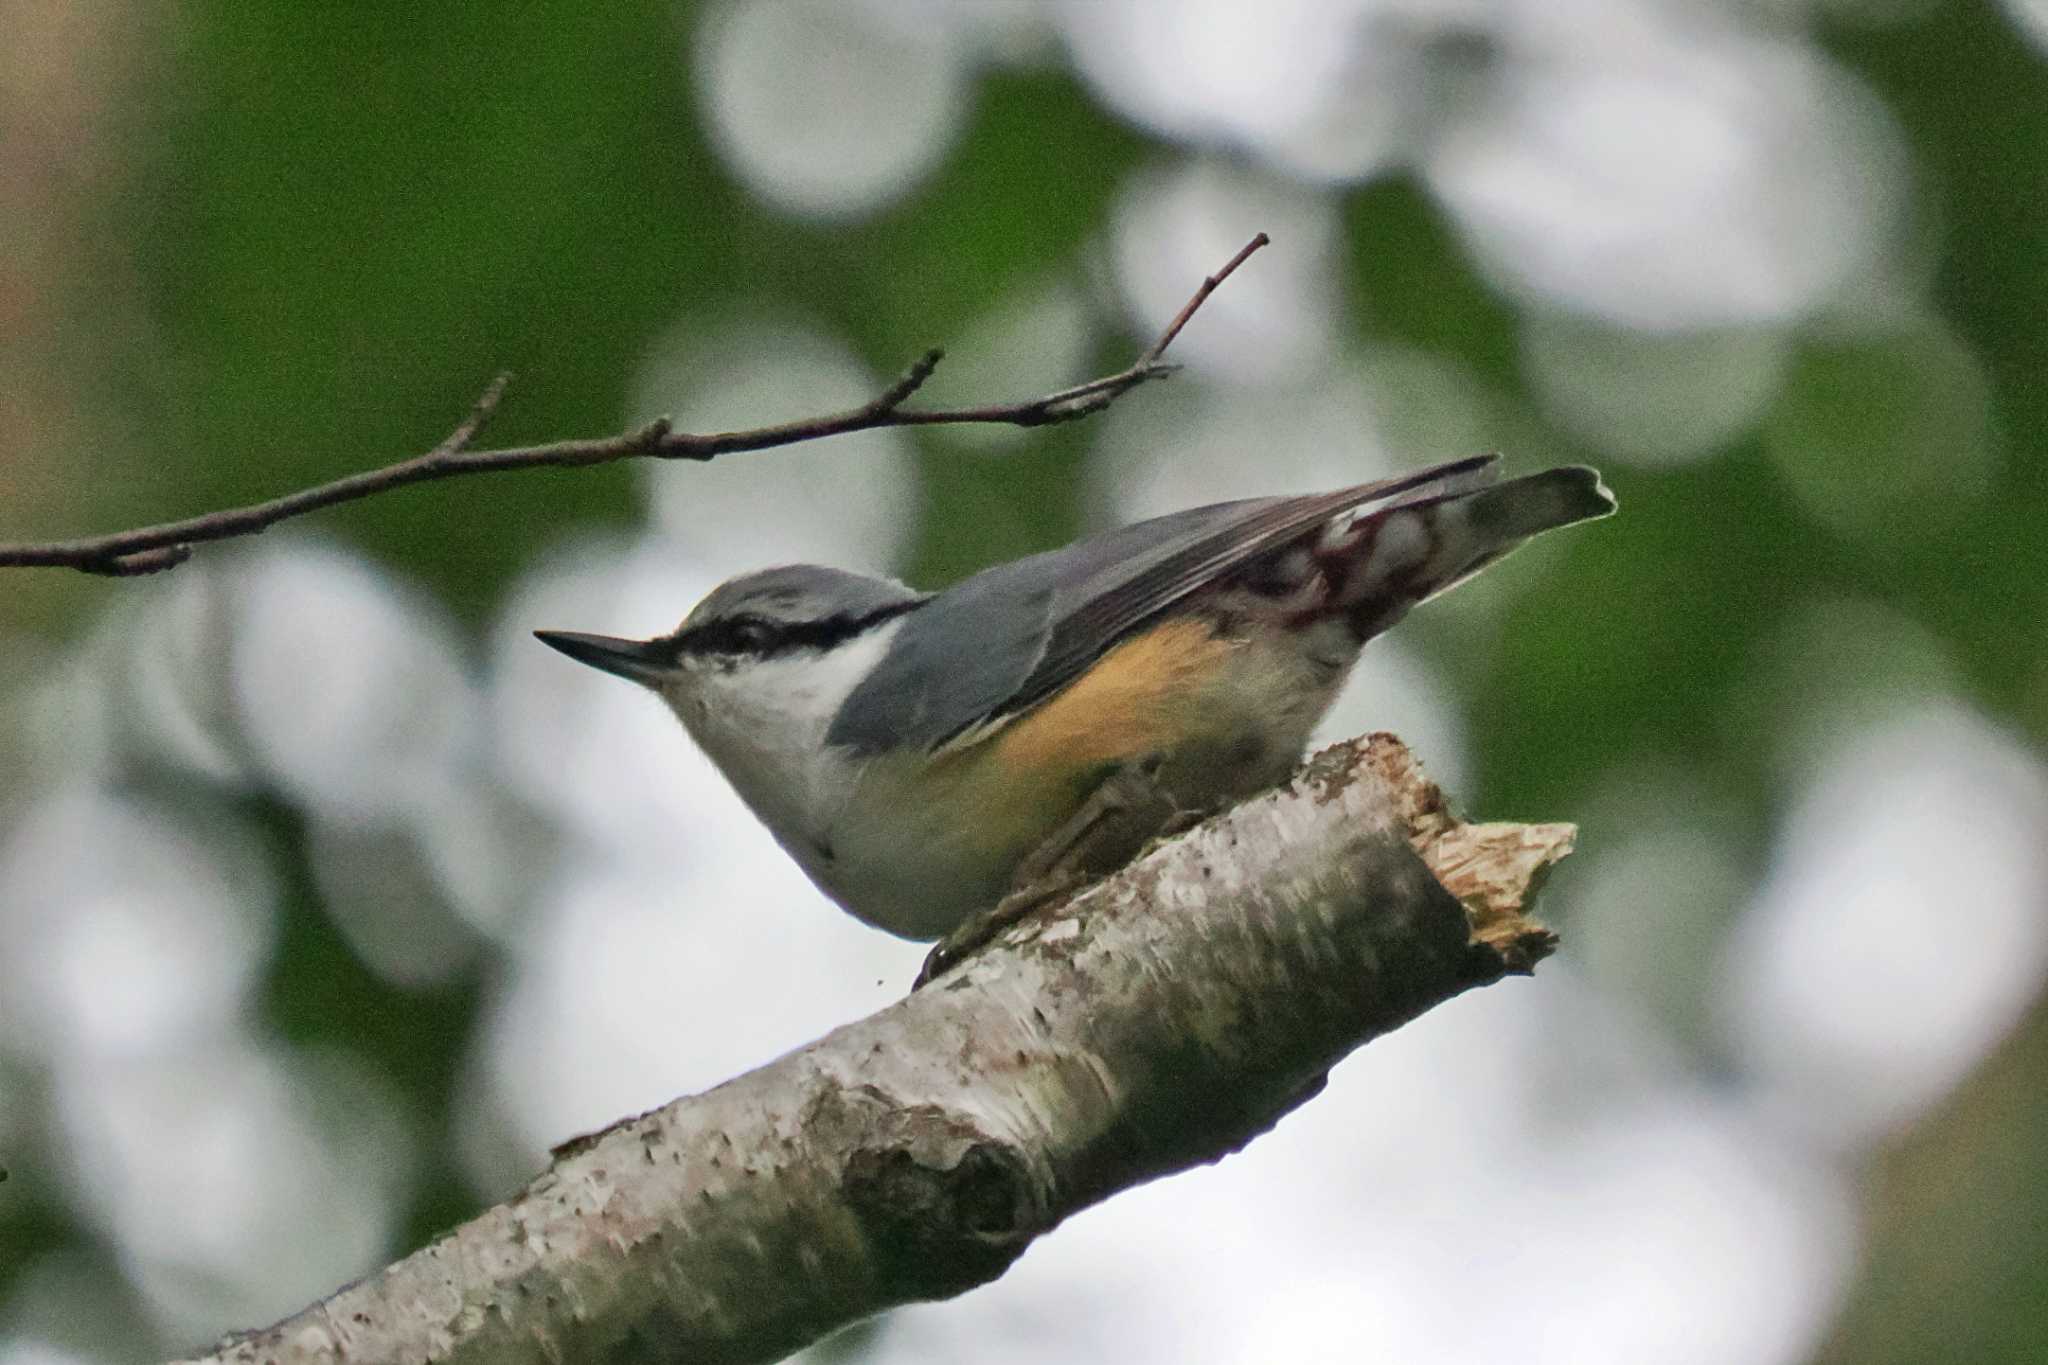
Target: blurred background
(329, 899)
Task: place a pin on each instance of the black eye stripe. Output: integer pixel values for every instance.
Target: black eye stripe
(729, 635)
(762, 637)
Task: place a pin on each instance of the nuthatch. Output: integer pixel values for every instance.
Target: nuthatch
(912, 751)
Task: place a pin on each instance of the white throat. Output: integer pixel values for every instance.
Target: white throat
(764, 722)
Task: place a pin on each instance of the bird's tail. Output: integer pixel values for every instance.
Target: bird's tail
(1383, 563)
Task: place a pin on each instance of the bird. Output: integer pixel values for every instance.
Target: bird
(925, 755)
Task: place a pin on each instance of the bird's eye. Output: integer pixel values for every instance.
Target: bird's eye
(752, 635)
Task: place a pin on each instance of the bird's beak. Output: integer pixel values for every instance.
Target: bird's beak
(643, 661)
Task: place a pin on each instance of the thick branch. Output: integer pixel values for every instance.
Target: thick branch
(1160, 1019)
(149, 549)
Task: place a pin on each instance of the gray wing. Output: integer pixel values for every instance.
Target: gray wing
(1011, 636)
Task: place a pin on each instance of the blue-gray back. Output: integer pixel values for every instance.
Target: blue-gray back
(1011, 636)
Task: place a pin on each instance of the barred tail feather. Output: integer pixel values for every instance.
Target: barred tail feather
(1521, 508)
(1397, 556)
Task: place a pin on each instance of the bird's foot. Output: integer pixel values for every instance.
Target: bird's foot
(975, 932)
(1128, 810)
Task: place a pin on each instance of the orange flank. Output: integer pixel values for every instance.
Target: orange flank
(1137, 699)
(976, 808)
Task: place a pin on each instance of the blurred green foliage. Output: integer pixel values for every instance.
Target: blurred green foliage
(346, 218)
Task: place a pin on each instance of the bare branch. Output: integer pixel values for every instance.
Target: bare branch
(1160, 1019)
(149, 549)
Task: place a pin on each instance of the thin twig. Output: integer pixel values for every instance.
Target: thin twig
(1201, 297)
(149, 549)
(480, 413)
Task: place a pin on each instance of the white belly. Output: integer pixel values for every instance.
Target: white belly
(916, 853)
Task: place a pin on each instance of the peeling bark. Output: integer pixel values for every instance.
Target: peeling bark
(1159, 1019)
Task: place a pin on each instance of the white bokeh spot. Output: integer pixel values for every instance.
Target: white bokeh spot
(350, 689)
(127, 929)
(828, 107)
(1672, 179)
(1899, 934)
(207, 1166)
(851, 502)
(1324, 88)
(645, 982)
(2031, 18)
